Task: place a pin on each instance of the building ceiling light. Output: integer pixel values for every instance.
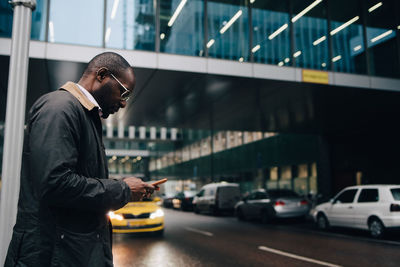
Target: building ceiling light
(320, 40)
(287, 60)
(323, 64)
(162, 36)
(398, 27)
(339, 57)
(278, 31)
(380, 36)
(210, 43)
(230, 22)
(176, 13)
(114, 9)
(255, 49)
(344, 25)
(356, 48)
(51, 30)
(241, 59)
(302, 13)
(108, 33)
(252, 1)
(372, 8)
(280, 64)
(298, 53)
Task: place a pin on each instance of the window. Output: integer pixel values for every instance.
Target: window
(368, 195)
(382, 22)
(130, 25)
(201, 193)
(261, 195)
(271, 42)
(347, 37)
(395, 193)
(228, 30)
(310, 35)
(346, 196)
(66, 20)
(181, 27)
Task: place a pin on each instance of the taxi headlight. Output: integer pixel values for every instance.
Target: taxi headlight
(156, 214)
(112, 215)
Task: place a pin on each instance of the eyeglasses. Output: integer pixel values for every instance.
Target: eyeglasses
(126, 93)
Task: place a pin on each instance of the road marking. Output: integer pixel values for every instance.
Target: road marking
(297, 257)
(199, 231)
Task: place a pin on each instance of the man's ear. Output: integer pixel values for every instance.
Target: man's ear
(101, 74)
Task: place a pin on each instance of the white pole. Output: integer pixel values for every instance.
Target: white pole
(15, 116)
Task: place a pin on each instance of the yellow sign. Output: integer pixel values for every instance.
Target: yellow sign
(315, 76)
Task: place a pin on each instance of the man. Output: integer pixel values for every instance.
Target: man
(65, 192)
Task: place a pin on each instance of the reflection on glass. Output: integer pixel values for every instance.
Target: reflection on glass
(38, 29)
(381, 37)
(76, 22)
(181, 27)
(310, 31)
(228, 30)
(271, 43)
(5, 19)
(347, 37)
(38, 20)
(130, 25)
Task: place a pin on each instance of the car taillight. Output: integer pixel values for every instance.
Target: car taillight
(395, 207)
(304, 202)
(279, 203)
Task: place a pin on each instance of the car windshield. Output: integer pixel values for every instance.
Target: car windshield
(395, 193)
(281, 193)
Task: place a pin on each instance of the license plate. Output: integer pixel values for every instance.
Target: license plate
(132, 224)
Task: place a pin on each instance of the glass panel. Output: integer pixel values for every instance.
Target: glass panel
(67, 20)
(310, 34)
(38, 30)
(347, 37)
(228, 30)
(381, 37)
(181, 27)
(130, 25)
(271, 39)
(38, 20)
(6, 15)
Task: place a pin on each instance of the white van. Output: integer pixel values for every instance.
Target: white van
(216, 198)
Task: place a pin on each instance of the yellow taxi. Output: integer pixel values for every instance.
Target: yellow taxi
(139, 217)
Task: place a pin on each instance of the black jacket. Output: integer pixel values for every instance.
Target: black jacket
(65, 192)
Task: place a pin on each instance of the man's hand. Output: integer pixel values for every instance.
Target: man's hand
(139, 189)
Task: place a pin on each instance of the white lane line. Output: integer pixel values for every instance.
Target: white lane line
(199, 231)
(294, 256)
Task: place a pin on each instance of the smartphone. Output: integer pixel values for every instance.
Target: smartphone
(159, 182)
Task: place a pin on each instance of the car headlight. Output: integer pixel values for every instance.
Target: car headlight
(112, 215)
(157, 213)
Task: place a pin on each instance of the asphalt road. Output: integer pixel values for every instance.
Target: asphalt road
(205, 240)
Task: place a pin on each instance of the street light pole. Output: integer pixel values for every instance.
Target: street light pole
(15, 116)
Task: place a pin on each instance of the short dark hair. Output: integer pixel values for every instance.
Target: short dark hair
(112, 61)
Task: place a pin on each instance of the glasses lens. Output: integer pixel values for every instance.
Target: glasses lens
(125, 95)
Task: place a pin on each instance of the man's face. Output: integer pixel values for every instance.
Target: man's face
(110, 91)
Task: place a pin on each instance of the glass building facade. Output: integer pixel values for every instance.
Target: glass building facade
(351, 36)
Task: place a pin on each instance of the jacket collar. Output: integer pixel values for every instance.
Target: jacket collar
(76, 92)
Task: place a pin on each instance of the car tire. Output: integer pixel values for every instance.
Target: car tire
(196, 209)
(265, 217)
(159, 233)
(376, 228)
(322, 222)
(240, 215)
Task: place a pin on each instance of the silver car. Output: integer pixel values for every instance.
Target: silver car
(270, 204)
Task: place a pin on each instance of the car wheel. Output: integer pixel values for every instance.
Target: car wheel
(376, 228)
(322, 222)
(240, 215)
(265, 218)
(196, 209)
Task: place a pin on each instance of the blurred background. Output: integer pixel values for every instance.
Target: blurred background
(300, 95)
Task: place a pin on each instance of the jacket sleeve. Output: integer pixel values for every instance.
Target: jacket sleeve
(54, 136)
